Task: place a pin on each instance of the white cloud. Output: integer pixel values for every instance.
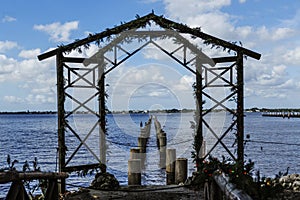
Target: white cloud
(39, 99)
(147, 82)
(271, 76)
(7, 45)
(293, 22)
(274, 34)
(221, 23)
(192, 8)
(244, 31)
(58, 32)
(7, 18)
(283, 33)
(289, 84)
(13, 99)
(29, 53)
(292, 56)
(28, 76)
(7, 66)
(185, 83)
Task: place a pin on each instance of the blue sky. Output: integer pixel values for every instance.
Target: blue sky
(265, 26)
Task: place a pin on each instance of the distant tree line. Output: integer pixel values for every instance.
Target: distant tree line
(255, 109)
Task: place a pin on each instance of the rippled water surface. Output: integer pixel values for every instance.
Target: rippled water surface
(27, 136)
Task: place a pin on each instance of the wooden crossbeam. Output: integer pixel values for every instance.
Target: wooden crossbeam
(11, 176)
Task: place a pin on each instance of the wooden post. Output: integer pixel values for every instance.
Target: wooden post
(170, 166)
(134, 172)
(102, 120)
(198, 140)
(17, 191)
(143, 132)
(142, 143)
(181, 168)
(240, 109)
(61, 119)
(162, 151)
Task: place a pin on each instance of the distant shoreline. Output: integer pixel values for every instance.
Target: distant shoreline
(27, 112)
(156, 111)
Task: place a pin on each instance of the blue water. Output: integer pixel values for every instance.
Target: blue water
(27, 136)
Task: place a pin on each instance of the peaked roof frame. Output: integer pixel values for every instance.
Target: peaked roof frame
(141, 22)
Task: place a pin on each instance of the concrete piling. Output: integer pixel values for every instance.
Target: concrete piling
(181, 167)
(134, 172)
(135, 153)
(142, 143)
(162, 151)
(170, 166)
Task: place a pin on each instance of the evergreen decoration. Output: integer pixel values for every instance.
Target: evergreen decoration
(242, 177)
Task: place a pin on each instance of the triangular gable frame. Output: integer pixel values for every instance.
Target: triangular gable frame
(142, 22)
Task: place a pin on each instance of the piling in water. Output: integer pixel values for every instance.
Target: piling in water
(181, 167)
(135, 153)
(170, 166)
(134, 172)
(142, 143)
(162, 151)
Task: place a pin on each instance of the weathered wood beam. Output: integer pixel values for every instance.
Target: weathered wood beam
(6, 177)
(73, 60)
(85, 61)
(225, 59)
(116, 30)
(81, 167)
(166, 23)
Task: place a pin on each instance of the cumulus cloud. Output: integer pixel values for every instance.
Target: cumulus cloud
(13, 99)
(278, 43)
(58, 32)
(7, 45)
(194, 7)
(7, 67)
(39, 99)
(7, 18)
(293, 22)
(292, 56)
(149, 83)
(37, 79)
(274, 34)
(29, 53)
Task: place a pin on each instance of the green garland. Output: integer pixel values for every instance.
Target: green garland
(242, 177)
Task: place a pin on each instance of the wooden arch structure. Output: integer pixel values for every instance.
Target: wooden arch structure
(96, 73)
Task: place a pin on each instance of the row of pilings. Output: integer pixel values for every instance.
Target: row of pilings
(176, 168)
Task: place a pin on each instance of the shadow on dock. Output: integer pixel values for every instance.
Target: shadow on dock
(139, 192)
